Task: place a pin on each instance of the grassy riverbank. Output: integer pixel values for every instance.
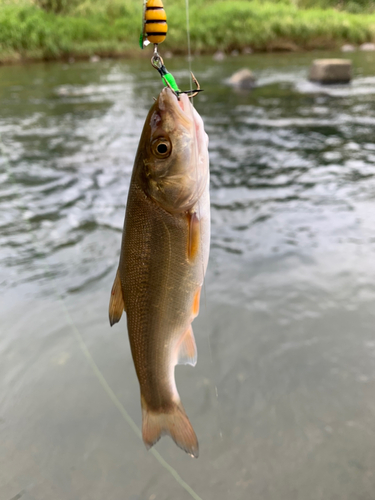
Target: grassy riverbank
(112, 27)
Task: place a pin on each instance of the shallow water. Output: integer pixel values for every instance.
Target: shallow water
(283, 396)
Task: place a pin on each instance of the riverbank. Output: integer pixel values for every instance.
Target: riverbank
(28, 32)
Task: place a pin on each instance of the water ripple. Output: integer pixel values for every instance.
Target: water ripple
(291, 169)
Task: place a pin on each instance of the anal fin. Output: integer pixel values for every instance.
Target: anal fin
(187, 349)
(116, 303)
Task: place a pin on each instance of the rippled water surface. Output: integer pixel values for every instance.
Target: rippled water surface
(283, 396)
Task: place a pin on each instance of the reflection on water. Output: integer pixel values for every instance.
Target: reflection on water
(282, 397)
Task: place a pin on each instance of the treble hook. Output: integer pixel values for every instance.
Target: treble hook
(193, 93)
(158, 63)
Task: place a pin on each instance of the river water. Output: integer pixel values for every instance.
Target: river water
(283, 396)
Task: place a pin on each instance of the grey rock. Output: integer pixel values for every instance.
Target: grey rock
(94, 59)
(348, 48)
(234, 53)
(219, 56)
(331, 71)
(62, 91)
(367, 47)
(247, 50)
(242, 79)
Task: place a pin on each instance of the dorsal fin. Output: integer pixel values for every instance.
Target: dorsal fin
(116, 302)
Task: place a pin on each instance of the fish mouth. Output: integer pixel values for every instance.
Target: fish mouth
(179, 107)
(184, 111)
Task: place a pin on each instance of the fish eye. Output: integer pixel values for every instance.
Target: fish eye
(161, 147)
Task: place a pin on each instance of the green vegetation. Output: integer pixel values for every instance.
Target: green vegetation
(51, 29)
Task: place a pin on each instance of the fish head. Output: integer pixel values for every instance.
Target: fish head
(175, 153)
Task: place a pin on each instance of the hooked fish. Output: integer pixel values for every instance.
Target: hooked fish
(164, 256)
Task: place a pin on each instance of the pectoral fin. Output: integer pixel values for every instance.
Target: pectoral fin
(194, 235)
(187, 349)
(116, 303)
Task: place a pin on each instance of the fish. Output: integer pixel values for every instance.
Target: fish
(163, 261)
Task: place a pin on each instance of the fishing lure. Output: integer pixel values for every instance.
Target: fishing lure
(155, 27)
(154, 30)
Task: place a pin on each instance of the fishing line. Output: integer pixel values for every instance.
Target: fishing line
(192, 101)
(196, 166)
(94, 367)
(204, 281)
(188, 42)
(107, 388)
(199, 208)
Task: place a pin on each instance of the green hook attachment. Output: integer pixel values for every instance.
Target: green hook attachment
(168, 79)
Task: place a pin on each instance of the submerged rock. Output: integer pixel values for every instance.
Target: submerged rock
(331, 71)
(247, 50)
(367, 46)
(348, 48)
(242, 79)
(219, 56)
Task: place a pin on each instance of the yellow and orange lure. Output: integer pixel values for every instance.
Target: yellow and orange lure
(155, 25)
(154, 30)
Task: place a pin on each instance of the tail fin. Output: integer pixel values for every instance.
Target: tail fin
(175, 423)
